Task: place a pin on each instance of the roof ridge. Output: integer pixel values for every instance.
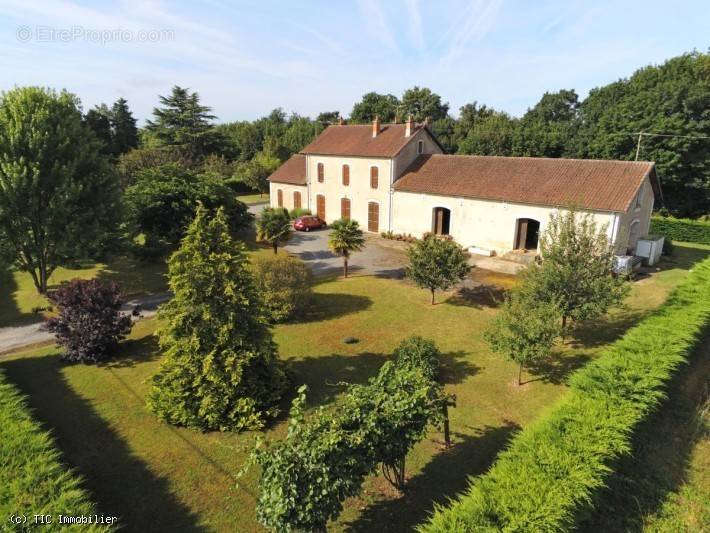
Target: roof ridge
(528, 157)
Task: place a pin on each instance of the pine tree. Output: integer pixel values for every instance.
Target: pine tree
(184, 124)
(220, 370)
(99, 121)
(123, 128)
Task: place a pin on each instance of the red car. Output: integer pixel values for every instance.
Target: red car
(307, 223)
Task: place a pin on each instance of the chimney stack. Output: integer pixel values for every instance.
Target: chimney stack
(408, 129)
(375, 126)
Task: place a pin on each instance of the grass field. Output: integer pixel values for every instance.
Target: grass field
(251, 199)
(159, 477)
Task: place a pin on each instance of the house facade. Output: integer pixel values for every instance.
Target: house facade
(396, 177)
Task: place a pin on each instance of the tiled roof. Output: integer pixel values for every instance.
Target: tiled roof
(357, 140)
(587, 184)
(292, 171)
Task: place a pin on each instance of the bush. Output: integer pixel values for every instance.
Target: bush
(325, 458)
(33, 479)
(681, 229)
(299, 212)
(548, 478)
(89, 324)
(284, 282)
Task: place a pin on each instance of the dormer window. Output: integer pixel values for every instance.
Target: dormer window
(420, 147)
(321, 173)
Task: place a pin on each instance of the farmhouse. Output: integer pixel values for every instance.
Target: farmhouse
(396, 177)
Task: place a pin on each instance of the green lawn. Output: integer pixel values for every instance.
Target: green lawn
(251, 199)
(159, 477)
(18, 296)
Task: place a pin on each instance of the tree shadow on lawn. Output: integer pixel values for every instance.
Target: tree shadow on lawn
(119, 482)
(132, 352)
(557, 368)
(661, 452)
(10, 313)
(327, 306)
(326, 375)
(684, 257)
(604, 330)
(444, 476)
(482, 296)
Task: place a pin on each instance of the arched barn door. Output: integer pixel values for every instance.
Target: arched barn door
(527, 234)
(441, 221)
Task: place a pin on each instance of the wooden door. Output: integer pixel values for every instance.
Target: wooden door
(373, 217)
(344, 208)
(296, 199)
(280, 197)
(320, 206)
(522, 233)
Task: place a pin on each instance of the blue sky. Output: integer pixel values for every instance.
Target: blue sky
(248, 57)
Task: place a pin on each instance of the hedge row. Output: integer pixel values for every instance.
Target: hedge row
(548, 478)
(32, 479)
(681, 229)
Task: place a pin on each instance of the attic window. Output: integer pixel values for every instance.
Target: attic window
(420, 147)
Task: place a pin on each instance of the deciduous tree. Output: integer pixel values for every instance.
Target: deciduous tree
(58, 198)
(436, 263)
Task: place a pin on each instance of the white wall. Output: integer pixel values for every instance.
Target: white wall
(482, 223)
(288, 191)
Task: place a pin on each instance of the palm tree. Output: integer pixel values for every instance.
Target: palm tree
(346, 237)
(273, 225)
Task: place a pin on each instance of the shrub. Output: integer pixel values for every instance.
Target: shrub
(220, 369)
(89, 324)
(284, 282)
(33, 479)
(299, 212)
(325, 458)
(681, 229)
(548, 478)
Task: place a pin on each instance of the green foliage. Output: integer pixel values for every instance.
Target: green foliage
(548, 478)
(422, 103)
(163, 201)
(345, 238)
(326, 457)
(576, 270)
(373, 104)
(284, 283)
(183, 124)
(681, 229)
(58, 198)
(115, 127)
(34, 481)
(299, 212)
(524, 330)
(436, 263)
(220, 370)
(273, 225)
(254, 173)
(132, 163)
(419, 352)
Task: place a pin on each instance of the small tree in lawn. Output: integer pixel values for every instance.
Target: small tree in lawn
(345, 238)
(273, 225)
(436, 263)
(284, 282)
(524, 330)
(576, 271)
(89, 325)
(220, 370)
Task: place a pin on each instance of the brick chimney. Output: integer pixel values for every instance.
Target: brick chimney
(408, 129)
(375, 126)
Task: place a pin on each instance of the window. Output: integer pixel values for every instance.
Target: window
(374, 177)
(344, 208)
(346, 175)
(321, 173)
(296, 199)
(280, 198)
(420, 147)
(320, 206)
(373, 217)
